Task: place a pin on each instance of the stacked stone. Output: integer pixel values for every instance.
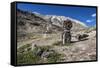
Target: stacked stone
(66, 35)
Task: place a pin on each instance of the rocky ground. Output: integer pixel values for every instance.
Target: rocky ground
(83, 50)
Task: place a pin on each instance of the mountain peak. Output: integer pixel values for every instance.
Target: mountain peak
(62, 18)
(55, 21)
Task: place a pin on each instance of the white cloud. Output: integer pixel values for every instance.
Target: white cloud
(93, 15)
(88, 20)
(91, 20)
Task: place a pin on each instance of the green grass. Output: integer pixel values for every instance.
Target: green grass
(30, 57)
(27, 58)
(21, 49)
(54, 57)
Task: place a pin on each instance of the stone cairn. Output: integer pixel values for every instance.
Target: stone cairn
(66, 35)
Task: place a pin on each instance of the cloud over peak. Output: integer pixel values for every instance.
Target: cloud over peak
(93, 15)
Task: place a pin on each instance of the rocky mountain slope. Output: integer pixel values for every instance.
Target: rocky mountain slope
(35, 47)
(33, 22)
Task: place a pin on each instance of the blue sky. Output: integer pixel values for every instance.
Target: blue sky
(84, 14)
